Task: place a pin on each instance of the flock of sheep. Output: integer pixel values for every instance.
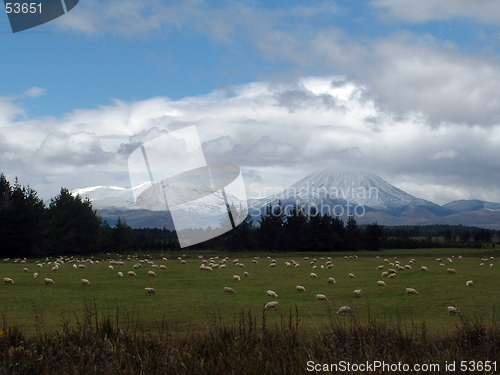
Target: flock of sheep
(394, 267)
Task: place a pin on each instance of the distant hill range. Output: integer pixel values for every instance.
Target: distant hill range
(364, 194)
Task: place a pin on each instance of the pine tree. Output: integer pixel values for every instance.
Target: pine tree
(75, 225)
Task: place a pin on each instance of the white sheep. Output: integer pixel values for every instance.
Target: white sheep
(229, 290)
(246, 274)
(82, 266)
(35, 275)
(344, 310)
(271, 293)
(331, 280)
(85, 282)
(385, 274)
(381, 283)
(469, 283)
(8, 280)
(236, 278)
(424, 268)
(451, 270)
(131, 273)
(313, 275)
(392, 275)
(300, 288)
(149, 291)
(380, 267)
(271, 305)
(411, 291)
(120, 274)
(452, 310)
(321, 297)
(163, 267)
(48, 281)
(25, 270)
(357, 293)
(151, 273)
(351, 276)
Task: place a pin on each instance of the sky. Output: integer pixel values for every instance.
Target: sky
(409, 90)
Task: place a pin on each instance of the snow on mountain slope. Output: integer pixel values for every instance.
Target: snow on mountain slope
(356, 187)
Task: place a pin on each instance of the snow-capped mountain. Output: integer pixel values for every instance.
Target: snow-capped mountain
(109, 197)
(330, 191)
(329, 188)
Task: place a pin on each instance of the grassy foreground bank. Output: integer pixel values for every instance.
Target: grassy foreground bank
(249, 345)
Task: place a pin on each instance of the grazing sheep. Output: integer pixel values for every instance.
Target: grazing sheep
(481, 264)
(321, 297)
(131, 273)
(80, 266)
(300, 288)
(120, 274)
(313, 275)
(163, 267)
(385, 274)
(407, 267)
(469, 283)
(451, 270)
(48, 281)
(380, 267)
(246, 274)
(272, 265)
(85, 282)
(344, 310)
(25, 270)
(149, 291)
(491, 265)
(8, 280)
(271, 293)
(331, 280)
(236, 278)
(424, 268)
(392, 275)
(229, 290)
(271, 305)
(351, 276)
(35, 275)
(411, 291)
(454, 311)
(357, 293)
(381, 283)
(151, 273)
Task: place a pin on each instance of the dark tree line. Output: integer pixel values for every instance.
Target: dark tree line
(299, 230)
(68, 225)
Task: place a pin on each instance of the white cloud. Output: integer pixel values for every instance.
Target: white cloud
(445, 154)
(487, 11)
(275, 132)
(34, 92)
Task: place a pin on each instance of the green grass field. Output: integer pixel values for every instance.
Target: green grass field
(187, 297)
